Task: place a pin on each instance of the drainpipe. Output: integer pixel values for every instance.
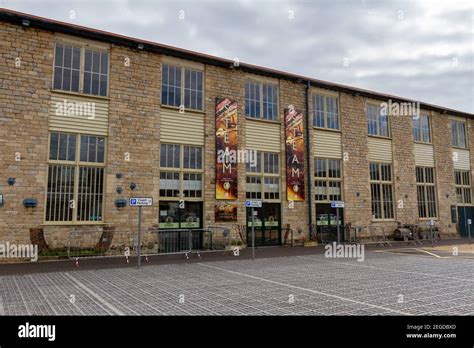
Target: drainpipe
(308, 158)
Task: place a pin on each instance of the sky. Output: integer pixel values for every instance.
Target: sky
(422, 50)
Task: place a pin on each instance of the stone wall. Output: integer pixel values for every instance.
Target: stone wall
(134, 132)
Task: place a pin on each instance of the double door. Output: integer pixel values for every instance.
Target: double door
(267, 225)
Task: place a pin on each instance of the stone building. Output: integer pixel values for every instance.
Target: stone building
(89, 119)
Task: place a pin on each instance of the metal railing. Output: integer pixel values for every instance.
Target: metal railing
(115, 243)
(100, 243)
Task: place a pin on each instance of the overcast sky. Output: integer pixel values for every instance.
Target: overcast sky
(422, 50)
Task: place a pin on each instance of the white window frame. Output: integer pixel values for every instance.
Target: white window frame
(262, 175)
(83, 46)
(77, 164)
(183, 69)
(182, 170)
(261, 85)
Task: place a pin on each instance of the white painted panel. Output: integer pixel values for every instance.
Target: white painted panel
(262, 136)
(380, 149)
(78, 114)
(461, 159)
(424, 155)
(327, 144)
(187, 128)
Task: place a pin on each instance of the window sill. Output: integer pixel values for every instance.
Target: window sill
(79, 94)
(327, 129)
(379, 137)
(262, 120)
(177, 199)
(459, 148)
(176, 108)
(428, 219)
(383, 220)
(68, 223)
(422, 142)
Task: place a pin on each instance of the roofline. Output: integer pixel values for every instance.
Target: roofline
(100, 35)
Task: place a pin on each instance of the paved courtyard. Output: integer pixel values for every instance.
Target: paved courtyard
(384, 283)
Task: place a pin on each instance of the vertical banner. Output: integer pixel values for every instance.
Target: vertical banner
(294, 154)
(226, 149)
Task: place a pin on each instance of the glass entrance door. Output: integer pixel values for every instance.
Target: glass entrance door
(174, 217)
(465, 213)
(267, 225)
(326, 223)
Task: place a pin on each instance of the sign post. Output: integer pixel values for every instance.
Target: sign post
(253, 204)
(337, 205)
(431, 222)
(140, 202)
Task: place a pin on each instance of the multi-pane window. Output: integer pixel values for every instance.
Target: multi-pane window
(421, 128)
(75, 189)
(182, 86)
(426, 192)
(458, 134)
(193, 89)
(261, 100)
(264, 180)
(75, 74)
(381, 188)
(170, 156)
(463, 186)
(180, 171)
(67, 67)
(325, 112)
(377, 121)
(96, 66)
(328, 179)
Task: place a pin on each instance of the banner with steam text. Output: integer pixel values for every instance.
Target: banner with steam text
(226, 147)
(294, 143)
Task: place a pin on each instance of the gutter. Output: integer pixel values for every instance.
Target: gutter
(308, 158)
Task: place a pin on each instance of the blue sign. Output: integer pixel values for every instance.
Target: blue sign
(337, 204)
(140, 201)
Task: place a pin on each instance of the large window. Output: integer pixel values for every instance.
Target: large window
(325, 112)
(463, 186)
(421, 129)
(264, 180)
(261, 100)
(182, 86)
(180, 171)
(381, 189)
(73, 73)
(328, 179)
(458, 134)
(377, 121)
(75, 189)
(426, 192)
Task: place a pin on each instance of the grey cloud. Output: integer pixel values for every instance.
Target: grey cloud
(313, 43)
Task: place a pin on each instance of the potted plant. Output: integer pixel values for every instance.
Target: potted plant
(235, 243)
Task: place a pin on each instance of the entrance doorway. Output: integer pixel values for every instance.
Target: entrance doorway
(465, 213)
(267, 225)
(174, 217)
(326, 223)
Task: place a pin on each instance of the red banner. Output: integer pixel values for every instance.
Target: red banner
(294, 154)
(226, 148)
